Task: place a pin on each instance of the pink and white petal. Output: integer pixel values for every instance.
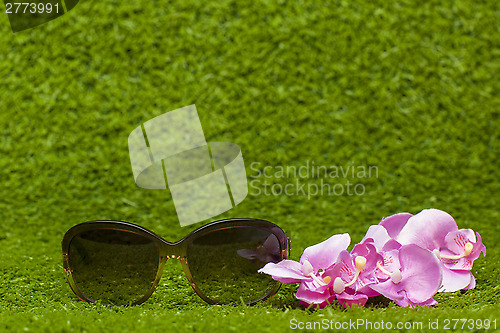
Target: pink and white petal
(371, 264)
(447, 252)
(420, 271)
(366, 290)
(480, 245)
(456, 240)
(310, 296)
(348, 300)
(314, 286)
(381, 277)
(379, 235)
(391, 245)
(463, 264)
(469, 234)
(472, 283)
(344, 268)
(324, 254)
(406, 302)
(427, 229)
(394, 223)
(321, 305)
(389, 289)
(455, 280)
(390, 261)
(369, 252)
(363, 281)
(429, 302)
(361, 249)
(291, 264)
(366, 278)
(285, 271)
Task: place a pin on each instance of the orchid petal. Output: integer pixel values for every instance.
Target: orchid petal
(394, 223)
(348, 300)
(344, 267)
(469, 234)
(480, 241)
(310, 296)
(472, 283)
(388, 289)
(463, 264)
(290, 264)
(427, 229)
(429, 302)
(390, 261)
(324, 254)
(369, 251)
(327, 302)
(313, 286)
(421, 273)
(362, 249)
(391, 245)
(456, 240)
(366, 290)
(379, 235)
(454, 280)
(286, 271)
(406, 302)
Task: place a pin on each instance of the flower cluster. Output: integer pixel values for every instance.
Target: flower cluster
(406, 258)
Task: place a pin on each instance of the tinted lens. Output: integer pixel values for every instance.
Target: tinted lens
(224, 263)
(113, 266)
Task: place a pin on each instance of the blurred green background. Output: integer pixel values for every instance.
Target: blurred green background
(408, 87)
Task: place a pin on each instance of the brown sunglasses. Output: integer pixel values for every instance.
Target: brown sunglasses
(120, 263)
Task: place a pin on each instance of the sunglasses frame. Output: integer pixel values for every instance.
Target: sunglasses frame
(176, 250)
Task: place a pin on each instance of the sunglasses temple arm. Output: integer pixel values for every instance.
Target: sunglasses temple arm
(289, 244)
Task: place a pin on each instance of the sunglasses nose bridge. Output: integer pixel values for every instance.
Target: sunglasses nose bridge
(173, 256)
(173, 251)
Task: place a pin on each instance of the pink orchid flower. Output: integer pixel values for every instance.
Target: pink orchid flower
(407, 258)
(354, 272)
(462, 249)
(310, 272)
(436, 231)
(412, 278)
(387, 248)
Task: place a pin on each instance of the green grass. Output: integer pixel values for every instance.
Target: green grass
(409, 87)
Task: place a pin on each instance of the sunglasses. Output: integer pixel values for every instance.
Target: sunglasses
(120, 263)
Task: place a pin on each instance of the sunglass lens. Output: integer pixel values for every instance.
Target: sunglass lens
(224, 263)
(114, 267)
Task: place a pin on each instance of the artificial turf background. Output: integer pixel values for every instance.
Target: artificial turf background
(409, 87)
